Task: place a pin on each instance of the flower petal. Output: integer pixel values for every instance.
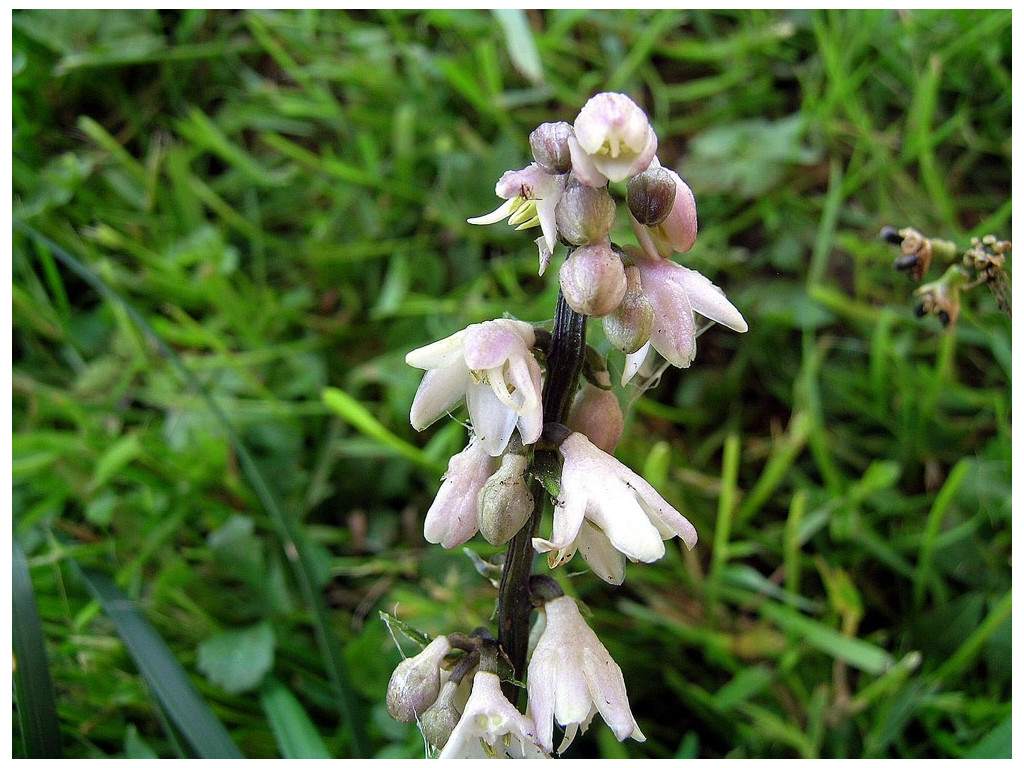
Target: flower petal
(634, 362)
(452, 518)
(439, 393)
(600, 555)
(583, 167)
(500, 213)
(439, 354)
(492, 420)
(709, 300)
(604, 679)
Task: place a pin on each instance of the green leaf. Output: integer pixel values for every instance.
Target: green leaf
(857, 653)
(356, 414)
(296, 736)
(997, 744)
(171, 685)
(238, 549)
(136, 747)
(33, 686)
(522, 48)
(114, 459)
(237, 659)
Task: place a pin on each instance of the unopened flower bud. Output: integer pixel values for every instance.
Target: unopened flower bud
(678, 230)
(550, 145)
(629, 327)
(597, 414)
(440, 719)
(650, 195)
(415, 682)
(505, 502)
(593, 280)
(584, 214)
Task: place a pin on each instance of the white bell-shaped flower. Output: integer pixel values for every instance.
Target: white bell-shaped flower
(572, 677)
(491, 366)
(625, 508)
(491, 727)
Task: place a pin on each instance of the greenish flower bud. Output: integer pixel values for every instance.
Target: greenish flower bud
(629, 327)
(550, 145)
(650, 196)
(505, 503)
(440, 719)
(584, 215)
(415, 682)
(592, 279)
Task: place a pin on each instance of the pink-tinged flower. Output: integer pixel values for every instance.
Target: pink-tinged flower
(530, 195)
(452, 518)
(491, 366)
(612, 140)
(678, 231)
(675, 294)
(572, 677)
(620, 504)
(491, 727)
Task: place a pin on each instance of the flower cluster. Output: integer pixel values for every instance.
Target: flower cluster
(537, 432)
(646, 299)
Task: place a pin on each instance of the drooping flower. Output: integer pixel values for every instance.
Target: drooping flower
(531, 195)
(492, 367)
(415, 683)
(572, 677)
(676, 293)
(612, 140)
(452, 518)
(624, 507)
(491, 727)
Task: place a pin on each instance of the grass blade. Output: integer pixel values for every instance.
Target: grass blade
(33, 686)
(171, 685)
(296, 736)
(855, 652)
(289, 533)
(355, 413)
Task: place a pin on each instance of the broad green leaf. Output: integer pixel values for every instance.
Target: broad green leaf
(237, 659)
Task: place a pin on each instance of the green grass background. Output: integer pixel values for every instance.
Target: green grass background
(231, 226)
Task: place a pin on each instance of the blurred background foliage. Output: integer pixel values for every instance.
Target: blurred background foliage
(280, 199)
